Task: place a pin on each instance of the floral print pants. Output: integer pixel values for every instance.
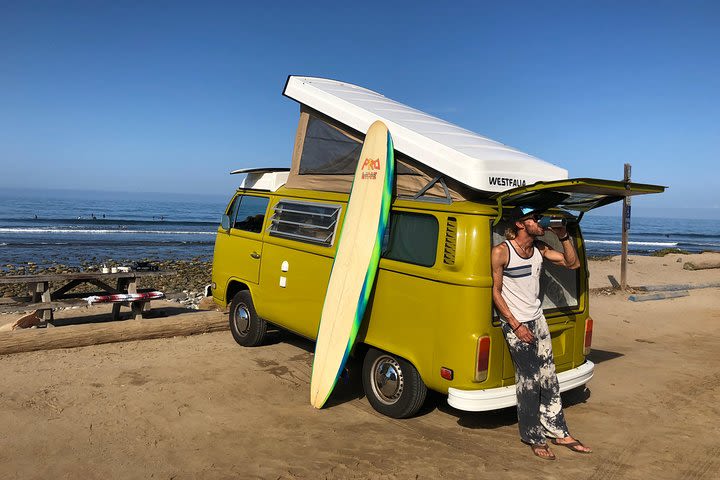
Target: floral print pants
(539, 407)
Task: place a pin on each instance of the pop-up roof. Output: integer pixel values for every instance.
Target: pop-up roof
(467, 157)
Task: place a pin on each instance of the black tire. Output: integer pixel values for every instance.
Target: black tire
(246, 327)
(392, 384)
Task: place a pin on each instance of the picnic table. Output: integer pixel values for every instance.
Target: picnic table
(44, 300)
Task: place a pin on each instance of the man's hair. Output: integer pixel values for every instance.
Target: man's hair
(511, 231)
(517, 215)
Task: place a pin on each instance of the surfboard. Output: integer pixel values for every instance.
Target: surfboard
(356, 261)
(124, 297)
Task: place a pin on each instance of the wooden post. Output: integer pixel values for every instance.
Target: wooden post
(121, 286)
(625, 229)
(42, 294)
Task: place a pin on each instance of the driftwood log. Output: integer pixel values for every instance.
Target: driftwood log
(109, 332)
(644, 297)
(700, 265)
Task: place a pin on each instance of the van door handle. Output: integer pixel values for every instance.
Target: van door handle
(255, 255)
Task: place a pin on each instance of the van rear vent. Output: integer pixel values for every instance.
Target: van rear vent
(450, 241)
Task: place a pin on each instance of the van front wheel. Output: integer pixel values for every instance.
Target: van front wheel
(246, 327)
(392, 384)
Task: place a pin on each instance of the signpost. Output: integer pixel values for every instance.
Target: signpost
(625, 230)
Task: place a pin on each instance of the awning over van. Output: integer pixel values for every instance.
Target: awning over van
(574, 195)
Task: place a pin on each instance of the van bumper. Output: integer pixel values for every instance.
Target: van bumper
(501, 397)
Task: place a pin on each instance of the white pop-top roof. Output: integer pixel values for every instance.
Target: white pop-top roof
(263, 178)
(470, 158)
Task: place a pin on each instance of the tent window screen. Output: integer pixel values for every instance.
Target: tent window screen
(306, 222)
(328, 151)
(413, 238)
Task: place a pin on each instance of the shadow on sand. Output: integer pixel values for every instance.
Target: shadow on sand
(106, 317)
(349, 388)
(599, 356)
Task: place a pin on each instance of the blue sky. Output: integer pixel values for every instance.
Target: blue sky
(170, 96)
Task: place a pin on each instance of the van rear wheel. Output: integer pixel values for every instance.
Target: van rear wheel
(246, 327)
(392, 384)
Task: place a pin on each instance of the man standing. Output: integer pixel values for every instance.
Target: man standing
(516, 267)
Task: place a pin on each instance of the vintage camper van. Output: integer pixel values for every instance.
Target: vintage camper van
(430, 322)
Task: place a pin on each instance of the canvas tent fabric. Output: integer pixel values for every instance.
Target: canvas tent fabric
(433, 145)
(326, 153)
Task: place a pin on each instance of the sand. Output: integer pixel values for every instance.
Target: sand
(203, 407)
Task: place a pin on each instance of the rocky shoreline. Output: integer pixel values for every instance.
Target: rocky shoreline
(186, 286)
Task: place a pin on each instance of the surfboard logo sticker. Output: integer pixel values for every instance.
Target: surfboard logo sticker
(372, 166)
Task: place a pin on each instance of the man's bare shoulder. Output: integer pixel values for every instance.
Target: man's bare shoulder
(500, 254)
(500, 248)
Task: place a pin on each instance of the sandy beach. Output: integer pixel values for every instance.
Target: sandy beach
(203, 407)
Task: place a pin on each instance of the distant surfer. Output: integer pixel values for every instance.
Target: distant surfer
(516, 267)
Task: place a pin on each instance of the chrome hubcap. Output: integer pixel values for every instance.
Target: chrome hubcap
(387, 381)
(242, 319)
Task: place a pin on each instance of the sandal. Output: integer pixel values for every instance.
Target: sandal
(572, 446)
(542, 447)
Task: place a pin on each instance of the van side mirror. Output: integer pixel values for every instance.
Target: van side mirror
(225, 222)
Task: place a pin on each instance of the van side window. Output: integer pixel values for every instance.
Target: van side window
(413, 238)
(248, 213)
(306, 222)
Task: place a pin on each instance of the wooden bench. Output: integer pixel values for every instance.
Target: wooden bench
(45, 300)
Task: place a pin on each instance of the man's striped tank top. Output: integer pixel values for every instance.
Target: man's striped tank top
(521, 284)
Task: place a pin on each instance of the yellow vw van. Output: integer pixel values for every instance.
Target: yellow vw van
(430, 322)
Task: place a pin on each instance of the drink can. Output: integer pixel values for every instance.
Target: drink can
(546, 222)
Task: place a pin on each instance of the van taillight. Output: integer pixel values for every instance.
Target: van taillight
(482, 359)
(588, 335)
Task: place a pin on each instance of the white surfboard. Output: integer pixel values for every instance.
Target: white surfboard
(356, 261)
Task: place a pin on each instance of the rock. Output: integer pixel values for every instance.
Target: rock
(27, 321)
(207, 303)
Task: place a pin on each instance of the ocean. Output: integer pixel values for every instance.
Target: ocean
(603, 235)
(68, 230)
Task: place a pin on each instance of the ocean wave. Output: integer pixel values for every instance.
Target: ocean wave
(109, 244)
(645, 244)
(108, 221)
(588, 233)
(99, 231)
(694, 244)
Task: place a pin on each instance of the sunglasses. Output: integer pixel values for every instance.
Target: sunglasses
(536, 217)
